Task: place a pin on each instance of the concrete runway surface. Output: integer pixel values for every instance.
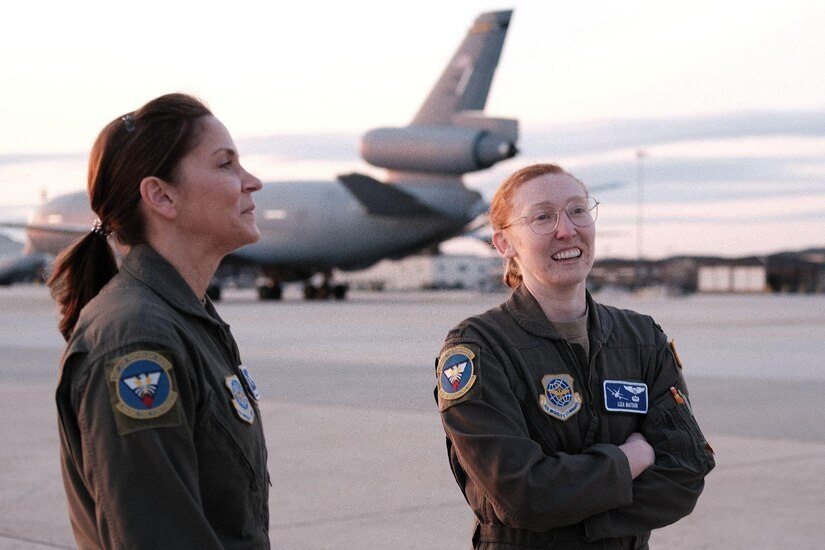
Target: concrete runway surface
(356, 448)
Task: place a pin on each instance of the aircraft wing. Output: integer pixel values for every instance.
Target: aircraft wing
(23, 268)
(61, 228)
(381, 199)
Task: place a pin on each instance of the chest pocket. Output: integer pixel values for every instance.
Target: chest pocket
(539, 425)
(564, 427)
(231, 462)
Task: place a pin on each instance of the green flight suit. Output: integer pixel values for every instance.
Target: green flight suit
(531, 441)
(162, 444)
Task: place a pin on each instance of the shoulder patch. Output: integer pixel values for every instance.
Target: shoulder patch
(143, 390)
(456, 372)
(676, 355)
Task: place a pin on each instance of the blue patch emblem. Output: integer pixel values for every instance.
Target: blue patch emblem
(456, 373)
(250, 383)
(558, 399)
(143, 385)
(624, 396)
(239, 399)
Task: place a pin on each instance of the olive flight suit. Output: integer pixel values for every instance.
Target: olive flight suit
(161, 438)
(533, 427)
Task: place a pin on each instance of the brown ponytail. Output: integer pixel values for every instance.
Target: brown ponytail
(148, 142)
(79, 274)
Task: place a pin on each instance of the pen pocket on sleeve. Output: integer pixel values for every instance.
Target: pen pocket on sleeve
(674, 434)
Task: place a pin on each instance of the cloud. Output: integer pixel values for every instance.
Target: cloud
(606, 135)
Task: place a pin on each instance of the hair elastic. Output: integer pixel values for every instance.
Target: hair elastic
(129, 123)
(100, 228)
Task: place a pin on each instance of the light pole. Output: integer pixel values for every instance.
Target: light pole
(640, 156)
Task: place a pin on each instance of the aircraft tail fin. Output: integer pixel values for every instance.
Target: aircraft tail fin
(450, 136)
(465, 82)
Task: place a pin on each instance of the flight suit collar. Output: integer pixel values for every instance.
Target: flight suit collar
(599, 322)
(527, 313)
(145, 264)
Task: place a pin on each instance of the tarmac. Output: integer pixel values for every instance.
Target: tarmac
(356, 448)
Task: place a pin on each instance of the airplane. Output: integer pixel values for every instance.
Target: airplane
(15, 268)
(313, 227)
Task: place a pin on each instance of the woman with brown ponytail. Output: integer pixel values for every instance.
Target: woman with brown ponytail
(567, 421)
(161, 437)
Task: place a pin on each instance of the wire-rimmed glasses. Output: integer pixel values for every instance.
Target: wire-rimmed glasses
(581, 212)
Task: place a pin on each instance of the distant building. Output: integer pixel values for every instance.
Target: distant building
(465, 264)
(797, 271)
(744, 275)
(480, 268)
(442, 271)
(618, 273)
(683, 274)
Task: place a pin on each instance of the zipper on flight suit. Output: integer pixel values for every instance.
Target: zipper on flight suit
(593, 425)
(233, 354)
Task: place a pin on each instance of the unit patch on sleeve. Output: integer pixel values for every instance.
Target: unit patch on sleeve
(143, 391)
(624, 396)
(456, 372)
(558, 399)
(672, 345)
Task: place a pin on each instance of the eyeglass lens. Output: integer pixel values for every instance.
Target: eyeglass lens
(580, 212)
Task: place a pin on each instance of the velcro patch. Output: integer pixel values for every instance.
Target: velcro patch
(624, 396)
(239, 399)
(250, 383)
(559, 400)
(456, 372)
(143, 391)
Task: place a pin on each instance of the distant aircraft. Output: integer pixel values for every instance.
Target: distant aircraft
(15, 268)
(312, 227)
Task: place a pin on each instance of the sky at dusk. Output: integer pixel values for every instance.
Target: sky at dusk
(714, 110)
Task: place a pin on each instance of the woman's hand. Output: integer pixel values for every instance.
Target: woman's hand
(639, 453)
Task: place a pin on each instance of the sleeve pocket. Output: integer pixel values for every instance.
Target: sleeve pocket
(679, 443)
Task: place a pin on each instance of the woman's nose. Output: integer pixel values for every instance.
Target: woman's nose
(251, 182)
(565, 227)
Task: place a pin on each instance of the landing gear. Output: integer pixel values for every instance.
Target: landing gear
(270, 292)
(269, 285)
(324, 290)
(317, 287)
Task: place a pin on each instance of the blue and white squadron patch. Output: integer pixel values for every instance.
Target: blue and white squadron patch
(558, 399)
(624, 396)
(143, 385)
(250, 383)
(456, 372)
(239, 399)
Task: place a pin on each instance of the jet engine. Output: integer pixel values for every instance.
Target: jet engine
(435, 149)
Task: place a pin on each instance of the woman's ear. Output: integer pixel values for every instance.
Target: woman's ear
(502, 243)
(159, 197)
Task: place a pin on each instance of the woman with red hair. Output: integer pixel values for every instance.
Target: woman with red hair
(568, 423)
